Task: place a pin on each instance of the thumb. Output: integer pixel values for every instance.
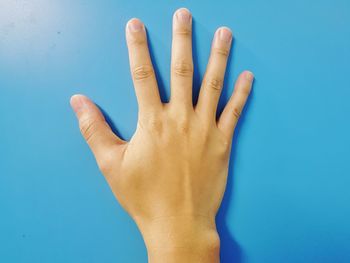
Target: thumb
(93, 126)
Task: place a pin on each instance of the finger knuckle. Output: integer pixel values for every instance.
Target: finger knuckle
(183, 124)
(236, 113)
(88, 128)
(183, 31)
(214, 83)
(156, 125)
(142, 72)
(183, 69)
(136, 42)
(152, 123)
(221, 51)
(224, 148)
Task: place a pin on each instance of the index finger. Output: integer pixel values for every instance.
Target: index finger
(141, 67)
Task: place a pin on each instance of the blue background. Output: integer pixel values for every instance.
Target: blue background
(288, 194)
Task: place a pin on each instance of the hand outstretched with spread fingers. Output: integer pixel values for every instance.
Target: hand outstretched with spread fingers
(171, 176)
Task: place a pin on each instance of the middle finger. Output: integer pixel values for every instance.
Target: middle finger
(181, 59)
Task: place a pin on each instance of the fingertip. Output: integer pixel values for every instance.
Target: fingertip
(245, 82)
(183, 8)
(225, 29)
(248, 75)
(183, 15)
(78, 102)
(74, 98)
(134, 25)
(224, 33)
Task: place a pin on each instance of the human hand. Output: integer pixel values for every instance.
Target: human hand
(171, 176)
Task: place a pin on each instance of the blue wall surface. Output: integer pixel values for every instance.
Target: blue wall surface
(288, 197)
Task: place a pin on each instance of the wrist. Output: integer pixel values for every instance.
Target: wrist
(181, 239)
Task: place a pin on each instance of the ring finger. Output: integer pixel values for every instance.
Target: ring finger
(214, 76)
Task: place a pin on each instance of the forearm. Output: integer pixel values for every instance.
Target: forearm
(181, 239)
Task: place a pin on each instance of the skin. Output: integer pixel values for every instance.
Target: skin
(171, 176)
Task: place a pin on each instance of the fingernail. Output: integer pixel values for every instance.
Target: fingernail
(225, 35)
(135, 25)
(78, 103)
(183, 15)
(249, 76)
